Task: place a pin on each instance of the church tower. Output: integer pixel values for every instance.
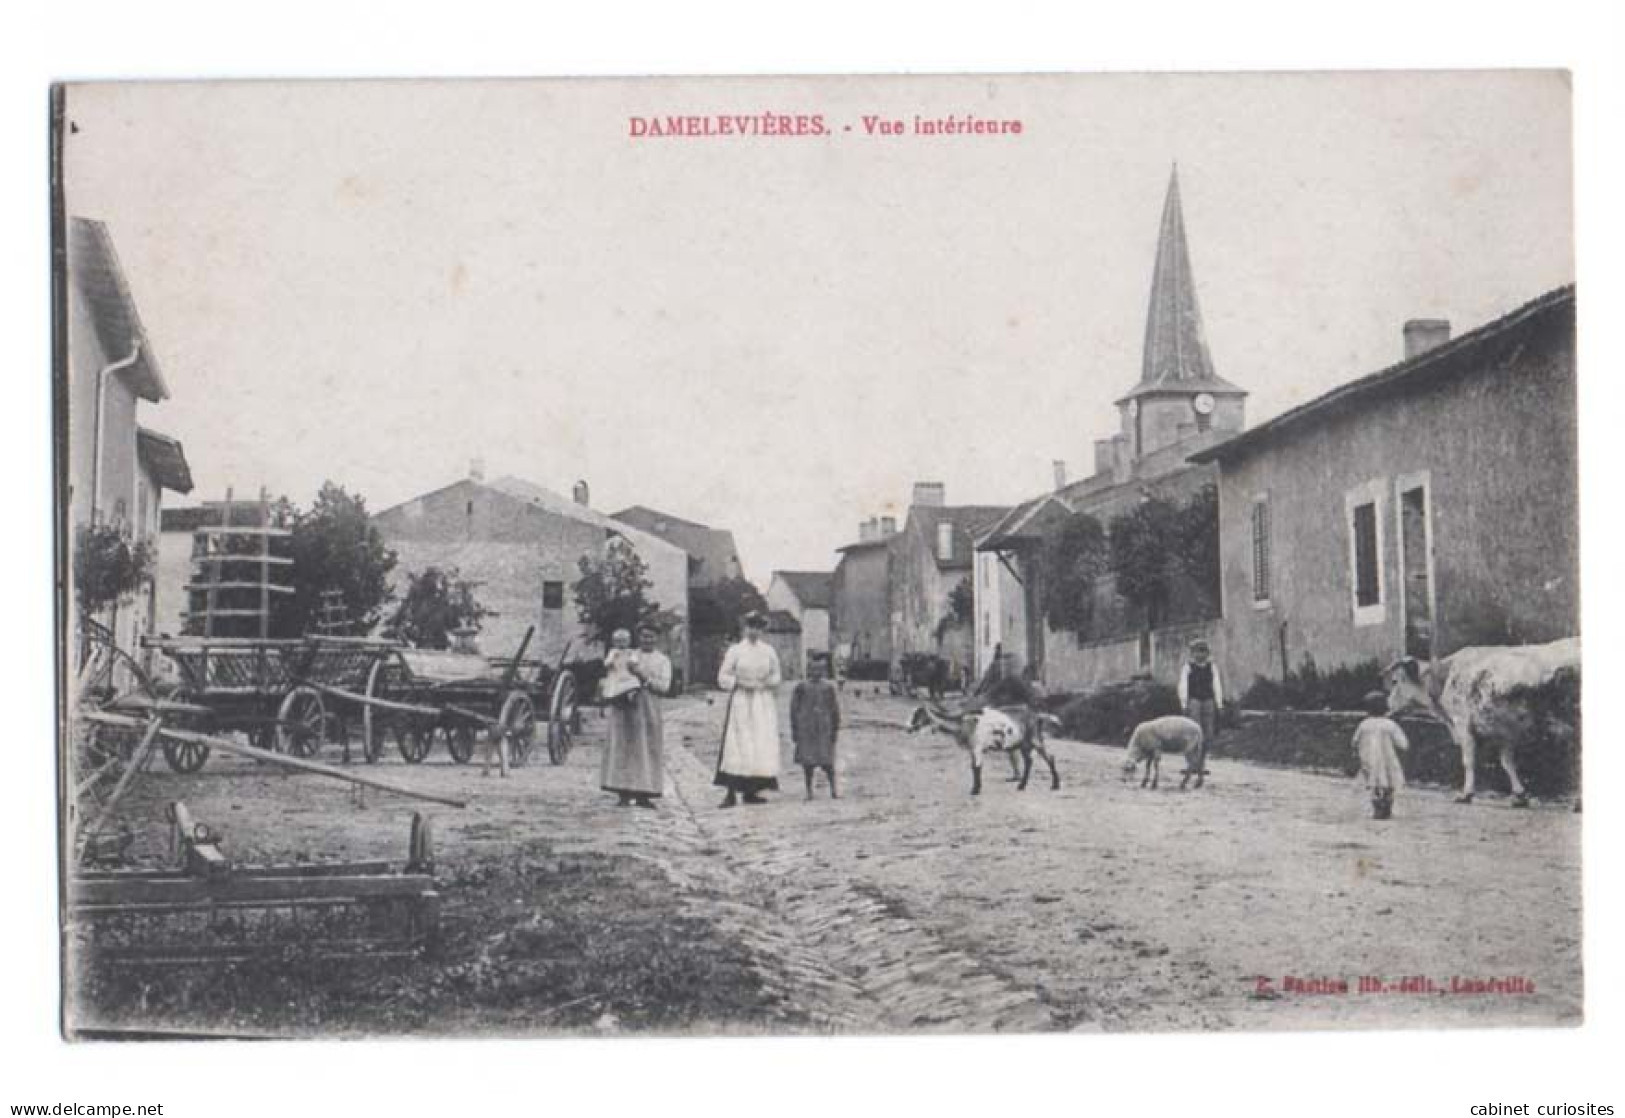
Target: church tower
(1179, 395)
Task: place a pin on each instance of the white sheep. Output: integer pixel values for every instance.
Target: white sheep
(1173, 731)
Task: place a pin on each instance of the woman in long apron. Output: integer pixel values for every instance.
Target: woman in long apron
(749, 762)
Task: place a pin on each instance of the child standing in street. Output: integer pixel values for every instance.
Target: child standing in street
(815, 723)
(1201, 694)
(1378, 742)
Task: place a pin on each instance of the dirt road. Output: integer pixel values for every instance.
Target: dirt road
(907, 904)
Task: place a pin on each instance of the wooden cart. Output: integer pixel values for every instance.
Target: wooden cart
(285, 695)
(418, 695)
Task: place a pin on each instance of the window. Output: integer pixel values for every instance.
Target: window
(1365, 510)
(552, 595)
(945, 542)
(1366, 591)
(1261, 550)
(987, 628)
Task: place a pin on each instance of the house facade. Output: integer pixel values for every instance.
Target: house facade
(805, 595)
(1179, 406)
(860, 594)
(117, 470)
(1427, 507)
(522, 545)
(928, 558)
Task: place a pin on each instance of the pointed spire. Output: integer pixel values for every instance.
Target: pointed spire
(1175, 345)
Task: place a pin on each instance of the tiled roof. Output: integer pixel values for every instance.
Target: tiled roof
(93, 268)
(811, 588)
(781, 621)
(166, 458)
(1465, 354)
(713, 549)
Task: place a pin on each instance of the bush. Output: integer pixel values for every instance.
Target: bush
(1343, 688)
(1110, 713)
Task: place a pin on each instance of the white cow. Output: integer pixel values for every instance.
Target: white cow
(1473, 692)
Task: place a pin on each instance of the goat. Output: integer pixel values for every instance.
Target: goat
(1150, 738)
(993, 730)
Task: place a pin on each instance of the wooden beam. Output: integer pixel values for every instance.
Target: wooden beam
(226, 745)
(241, 888)
(380, 704)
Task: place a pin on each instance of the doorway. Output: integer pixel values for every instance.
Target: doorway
(1416, 568)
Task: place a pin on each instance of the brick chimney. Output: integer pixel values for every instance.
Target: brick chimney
(888, 527)
(930, 494)
(1423, 334)
(1060, 473)
(476, 469)
(867, 530)
(581, 494)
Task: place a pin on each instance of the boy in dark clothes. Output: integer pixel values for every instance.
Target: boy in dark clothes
(815, 723)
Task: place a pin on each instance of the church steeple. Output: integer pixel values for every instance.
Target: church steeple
(1175, 345)
(1178, 395)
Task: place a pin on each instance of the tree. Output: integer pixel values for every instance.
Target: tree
(1144, 556)
(1073, 558)
(1199, 543)
(961, 609)
(436, 602)
(715, 610)
(613, 592)
(1159, 546)
(108, 567)
(334, 546)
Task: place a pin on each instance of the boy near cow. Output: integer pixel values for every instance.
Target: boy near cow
(815, 723)
(1378, 742)
(1201, 693)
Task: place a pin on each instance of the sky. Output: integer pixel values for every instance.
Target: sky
(377, 282)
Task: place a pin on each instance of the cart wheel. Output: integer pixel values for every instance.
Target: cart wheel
(517, 723)
(373, 723)
(102, 754)
(460, 742)
(185, 756)
(415, 739)
(561, 718)
(301, 722)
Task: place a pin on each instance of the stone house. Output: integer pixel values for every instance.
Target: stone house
(1428, 506)
(860, 594)
(522, 545)
(927, 559)
(804, 595)
(116, 470)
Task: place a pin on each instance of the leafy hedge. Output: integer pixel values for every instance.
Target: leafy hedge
(1110, 713)
(1342, 688)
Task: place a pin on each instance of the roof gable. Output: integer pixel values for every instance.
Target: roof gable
(813, 589)
(93, 267)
